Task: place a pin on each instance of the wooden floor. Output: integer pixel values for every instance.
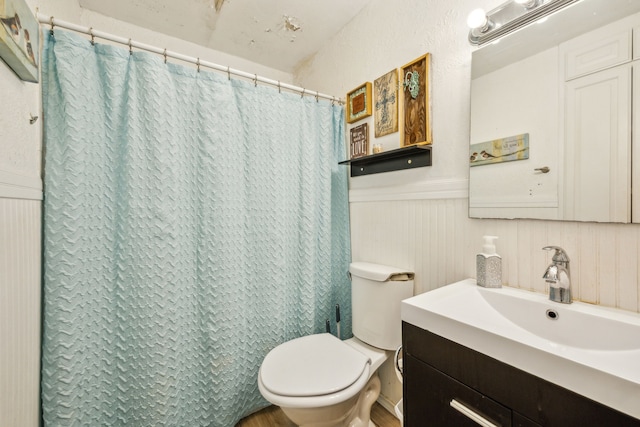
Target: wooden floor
(272, 416)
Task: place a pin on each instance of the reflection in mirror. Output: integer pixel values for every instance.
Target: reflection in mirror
(551, 117)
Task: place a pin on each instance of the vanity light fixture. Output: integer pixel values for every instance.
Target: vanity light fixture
(529, 4)
(509, 17)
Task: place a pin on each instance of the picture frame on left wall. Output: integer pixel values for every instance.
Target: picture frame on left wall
(19, 39)
(359, 103)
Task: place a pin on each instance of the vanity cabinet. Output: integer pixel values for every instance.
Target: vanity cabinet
(446, 384)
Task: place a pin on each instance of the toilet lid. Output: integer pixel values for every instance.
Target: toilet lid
(314, 365)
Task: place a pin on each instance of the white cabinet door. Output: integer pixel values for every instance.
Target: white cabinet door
(597, 158)
(597, 50)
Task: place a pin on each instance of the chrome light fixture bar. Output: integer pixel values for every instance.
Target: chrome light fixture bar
(509, 17)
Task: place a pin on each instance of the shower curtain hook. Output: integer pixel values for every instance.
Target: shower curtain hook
(51, 22)
(333, 101)
(255, 80)
(317, 94)
(279, 88)
(302, 93)
(93, 41)
(229, 73)
(198, 64)
(130, 48)
(165, 55)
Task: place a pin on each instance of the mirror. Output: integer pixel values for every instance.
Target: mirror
(551, 123)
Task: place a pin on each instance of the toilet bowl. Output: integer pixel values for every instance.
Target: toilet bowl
(319, 380)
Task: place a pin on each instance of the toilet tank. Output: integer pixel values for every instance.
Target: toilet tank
(376, 293)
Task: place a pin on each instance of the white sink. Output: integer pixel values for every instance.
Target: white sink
(592, 350)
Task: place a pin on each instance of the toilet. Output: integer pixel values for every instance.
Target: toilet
(319, 380)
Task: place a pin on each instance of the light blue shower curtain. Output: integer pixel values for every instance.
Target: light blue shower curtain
(191, 224)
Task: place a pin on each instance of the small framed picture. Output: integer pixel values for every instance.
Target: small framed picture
(19, 39)
(359, 140)
(359, 103)
(415, 102)
(385, 93)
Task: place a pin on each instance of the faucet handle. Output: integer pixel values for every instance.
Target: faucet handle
(559, 256)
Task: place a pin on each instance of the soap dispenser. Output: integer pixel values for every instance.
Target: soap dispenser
(489, 265)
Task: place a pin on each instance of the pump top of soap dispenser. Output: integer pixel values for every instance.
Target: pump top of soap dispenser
(489, 247)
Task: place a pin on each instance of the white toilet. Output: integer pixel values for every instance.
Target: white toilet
(321, 381)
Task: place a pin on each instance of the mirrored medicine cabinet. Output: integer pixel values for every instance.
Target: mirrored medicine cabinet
(552, 118)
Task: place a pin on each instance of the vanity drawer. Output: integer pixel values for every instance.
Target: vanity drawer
(532, 400)
(445, 401)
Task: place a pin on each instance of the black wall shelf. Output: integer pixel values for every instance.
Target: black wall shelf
(411, 157)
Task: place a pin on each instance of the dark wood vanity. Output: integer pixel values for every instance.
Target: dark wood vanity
(443, 379)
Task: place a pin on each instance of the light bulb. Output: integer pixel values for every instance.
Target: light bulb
(529, 4)
(477, 19)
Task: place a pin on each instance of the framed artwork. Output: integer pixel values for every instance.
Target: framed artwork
(359, 140)
(385, 94)
(359, 103)
(415, 102)
(500, 150)
(19, 39)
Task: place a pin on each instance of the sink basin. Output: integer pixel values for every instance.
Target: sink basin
(592, 350)
(581, 325)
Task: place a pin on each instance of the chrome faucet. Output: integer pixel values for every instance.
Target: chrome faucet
(558, 277)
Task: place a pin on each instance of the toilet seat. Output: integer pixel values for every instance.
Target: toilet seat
(313, 365)
(313, 371)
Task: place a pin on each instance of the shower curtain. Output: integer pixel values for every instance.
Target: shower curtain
(191, 224)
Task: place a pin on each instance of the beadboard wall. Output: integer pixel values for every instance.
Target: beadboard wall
(435, 238)
(19, 312)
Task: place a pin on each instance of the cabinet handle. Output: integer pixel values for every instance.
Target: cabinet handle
(474, 416)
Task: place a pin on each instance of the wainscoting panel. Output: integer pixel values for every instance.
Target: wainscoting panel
(436, 239)
(19, 312)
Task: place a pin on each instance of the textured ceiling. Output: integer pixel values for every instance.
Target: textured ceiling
(276, 33)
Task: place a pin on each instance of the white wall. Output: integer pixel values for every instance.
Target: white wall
(419, 219)
(20, 212)
(21, 209)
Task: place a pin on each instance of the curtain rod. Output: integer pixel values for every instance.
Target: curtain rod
(43, 19)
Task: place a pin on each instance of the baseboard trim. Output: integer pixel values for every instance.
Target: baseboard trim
(14, 186)
(387, 404)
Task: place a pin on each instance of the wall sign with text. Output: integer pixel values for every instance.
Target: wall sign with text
(359, 137)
